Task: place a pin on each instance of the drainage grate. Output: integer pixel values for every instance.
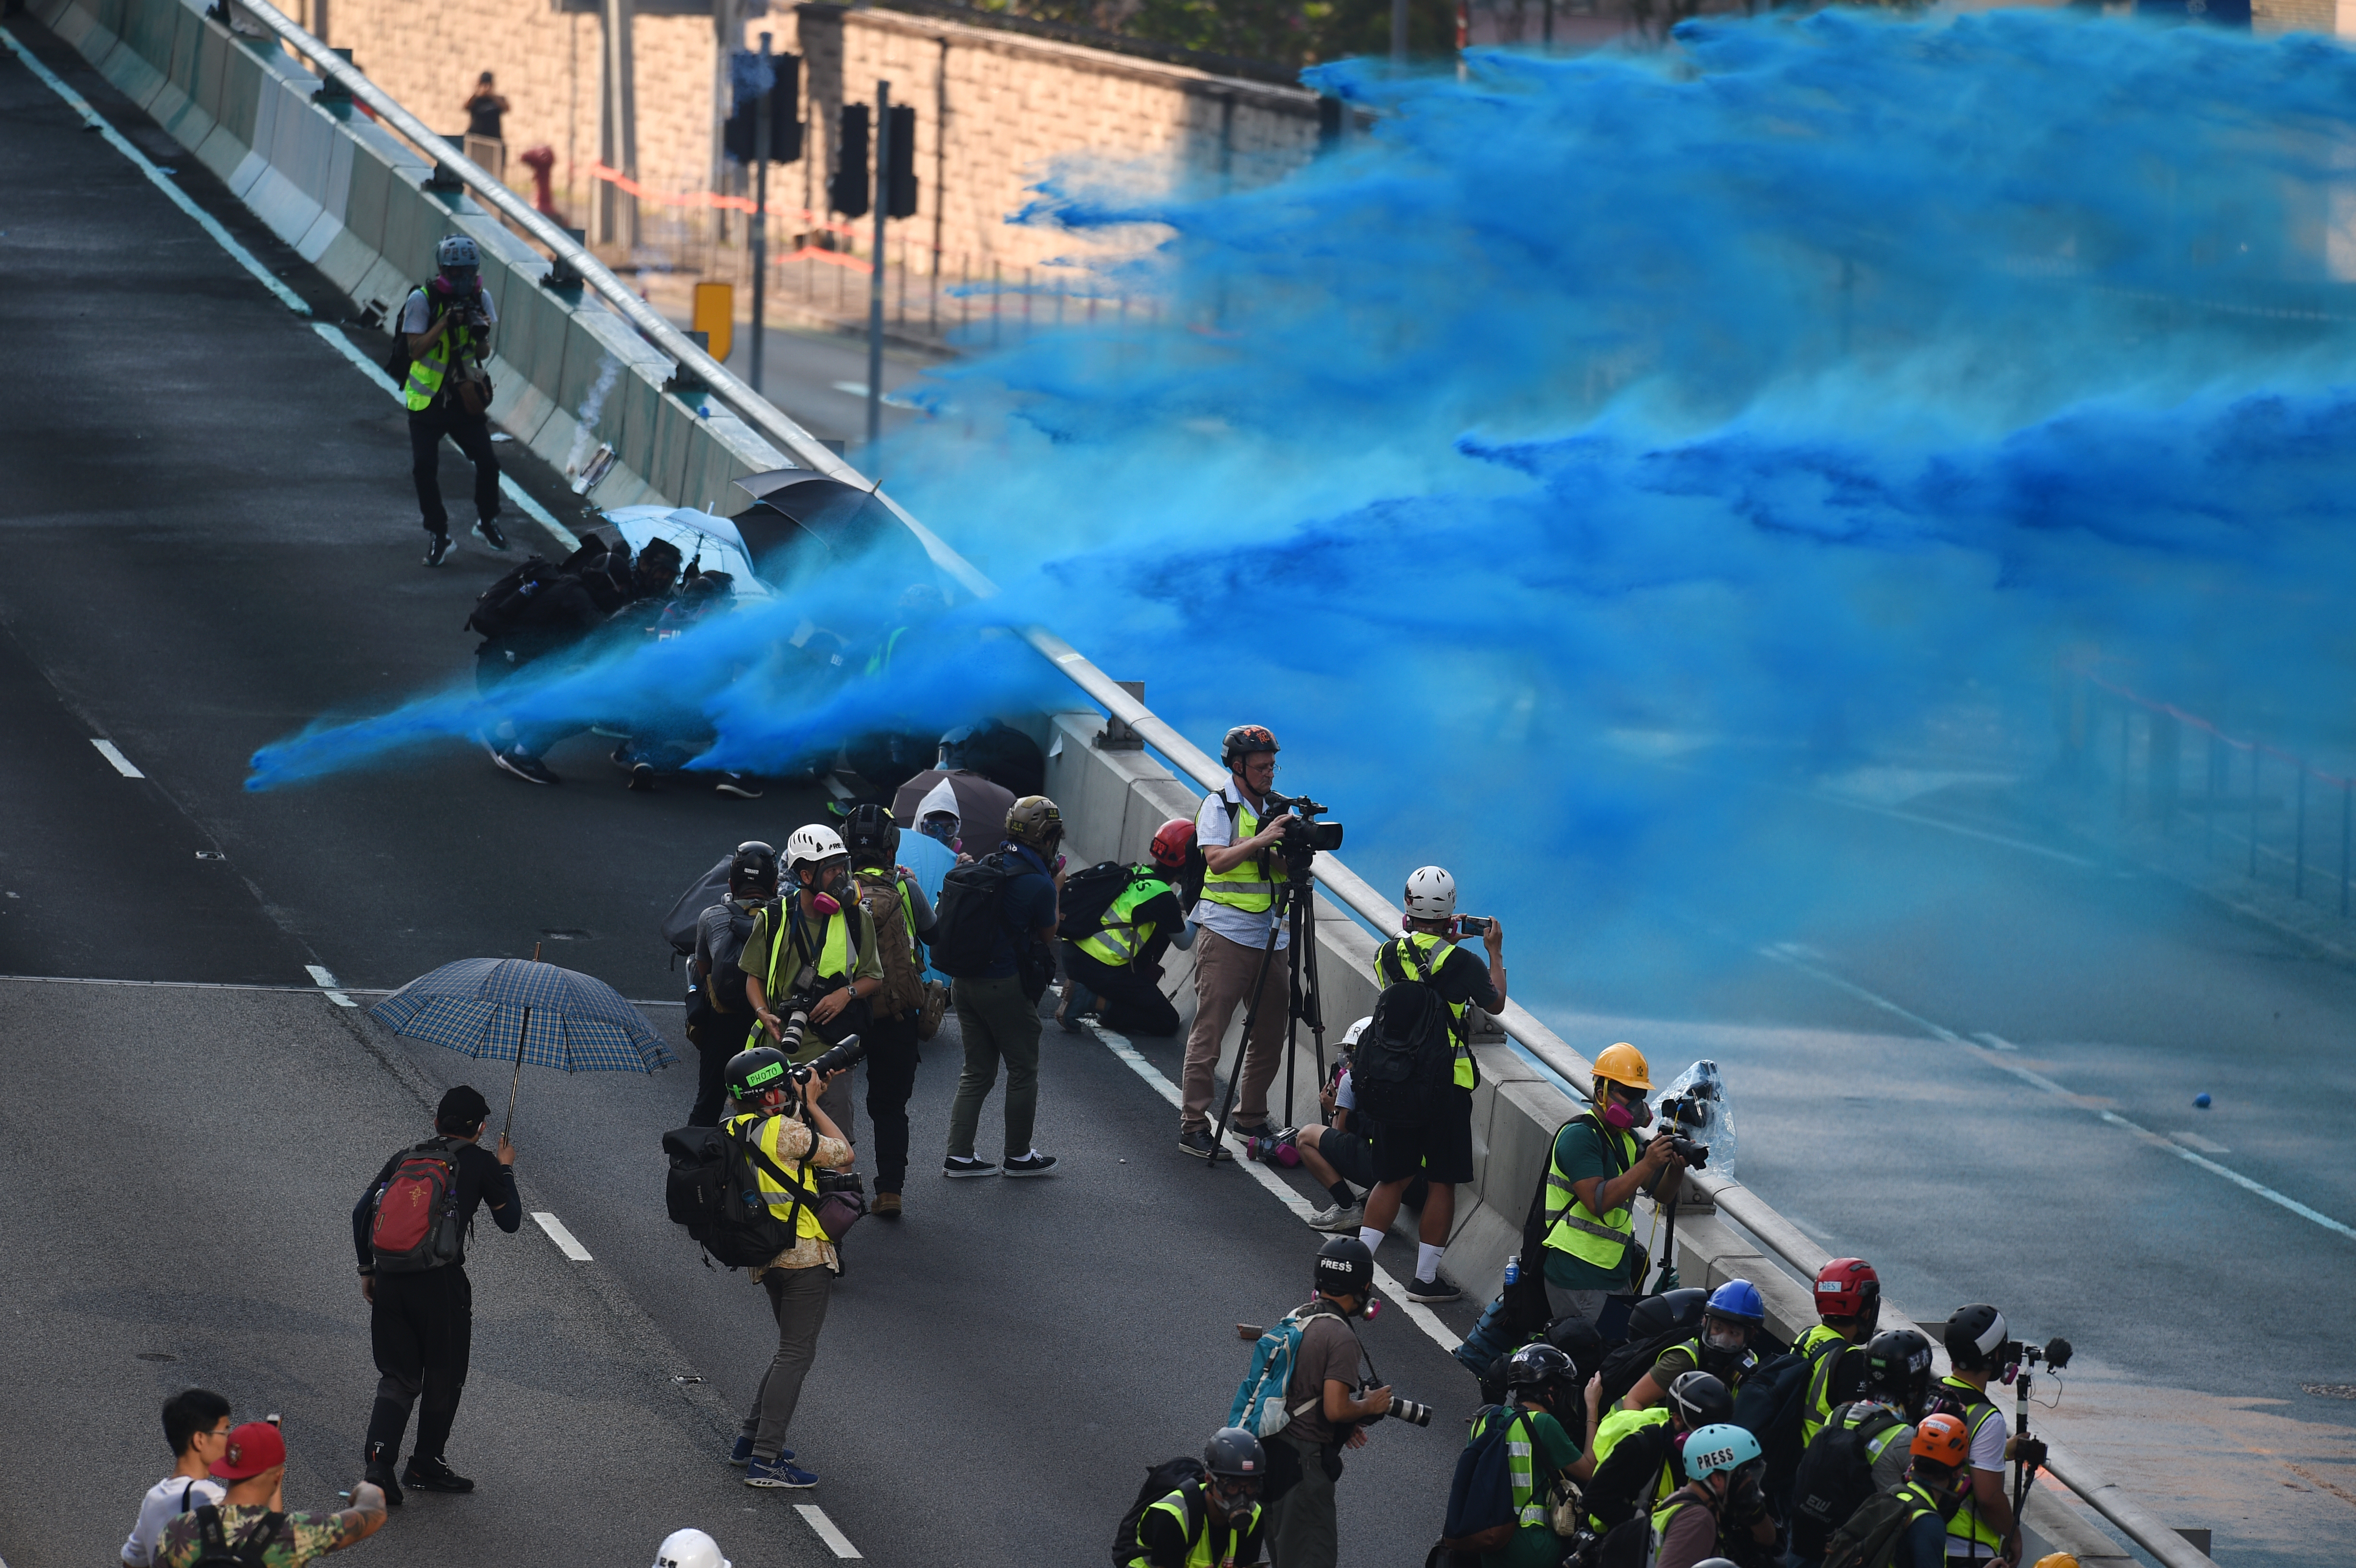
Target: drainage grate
(2330, 1391)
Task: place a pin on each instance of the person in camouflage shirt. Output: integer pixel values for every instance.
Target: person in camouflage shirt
(251, 1519)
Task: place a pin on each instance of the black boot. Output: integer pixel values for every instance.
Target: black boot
(434, 1475)
(379, 1473)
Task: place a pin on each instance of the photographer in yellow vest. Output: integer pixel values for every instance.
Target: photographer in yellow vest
(1593, 1178)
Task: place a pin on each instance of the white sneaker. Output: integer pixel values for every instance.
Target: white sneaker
(1335, 1218)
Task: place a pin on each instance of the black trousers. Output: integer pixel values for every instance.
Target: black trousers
(892, 1056)
(718, 1037)
(421, 1330)
(1132, 1003)
(472, 434)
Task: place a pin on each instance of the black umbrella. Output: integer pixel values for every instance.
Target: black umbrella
(794, 508)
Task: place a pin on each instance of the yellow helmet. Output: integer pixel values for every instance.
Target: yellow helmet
(1624, 1065)
(2057, 1559)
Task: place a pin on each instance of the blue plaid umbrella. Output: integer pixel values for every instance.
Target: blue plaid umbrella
(506, 1009)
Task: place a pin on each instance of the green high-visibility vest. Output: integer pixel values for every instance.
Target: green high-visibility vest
(1600, 1241)
(1824, 1347)
(1614, 1429)
(780, 1199)
(1969, 1535)
(1393, 965)
(1186, 1506)
(1122, 936)
(1250, 885)
(1668, 1510)
(427, 372)
(838, 958)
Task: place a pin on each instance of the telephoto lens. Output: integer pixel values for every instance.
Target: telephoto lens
(1406, 1410)
(835, 1059)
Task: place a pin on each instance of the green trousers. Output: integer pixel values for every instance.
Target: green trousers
(998, 1023)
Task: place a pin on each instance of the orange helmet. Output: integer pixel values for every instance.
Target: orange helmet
(1172, 842)
(1847, 1288)
(1942, 1440)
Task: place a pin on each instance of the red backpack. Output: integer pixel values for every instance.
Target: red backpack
(416, 1226)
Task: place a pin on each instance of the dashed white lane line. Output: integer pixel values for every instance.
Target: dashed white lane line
(320, 976)
(1422, 1316)
(1784, 956)
(327, 982)
(566, 1242)
(815, 1517)
(122, 763)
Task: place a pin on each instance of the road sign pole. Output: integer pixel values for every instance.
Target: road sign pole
(875, 272)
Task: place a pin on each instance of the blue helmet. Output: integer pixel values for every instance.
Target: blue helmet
(1738, 1299)
(1721, 1447)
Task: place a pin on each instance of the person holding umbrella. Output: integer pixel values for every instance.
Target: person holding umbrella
(410, 1230)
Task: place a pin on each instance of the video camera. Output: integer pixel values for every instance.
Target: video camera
(2016, 1356)
(1303, 834)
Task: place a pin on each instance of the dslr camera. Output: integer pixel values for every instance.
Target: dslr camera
(835, 1059)
(1682, 1116)
(1405, 1410)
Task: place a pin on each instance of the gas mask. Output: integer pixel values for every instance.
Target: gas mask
(1618, 1112)
(1726, 1340)
(831, 876)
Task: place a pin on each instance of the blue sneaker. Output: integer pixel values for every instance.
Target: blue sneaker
(742, 1455)
(777, 1472)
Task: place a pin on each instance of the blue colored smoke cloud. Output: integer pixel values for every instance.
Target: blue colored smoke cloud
(1775, 399)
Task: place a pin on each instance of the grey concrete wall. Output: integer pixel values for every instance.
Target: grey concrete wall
(351, 198)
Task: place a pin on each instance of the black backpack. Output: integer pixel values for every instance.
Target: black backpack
(1080, 908)
(1835, 1476)
(1869, 1538)
(678, 925)
(970, 916)
(1628, 1544)
(501, 608)
(1657, 1323)
(1480, 1516)
(1160, 1480)
(1768, 1404)
(712, 1191)
(214, 1550)
(1408, 1053)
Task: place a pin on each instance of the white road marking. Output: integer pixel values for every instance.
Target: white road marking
(122, 763)
(157, 176)
(564, 1240)
(815, 1517)
(327, 983)
(507, 487)
(320, 976)
(1957, 828)
(2040, 1081)
(1423, 1316)
(1988, 1040)
(2195, 1141)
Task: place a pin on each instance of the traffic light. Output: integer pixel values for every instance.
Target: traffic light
(784, 99)
(847, 192)
(901, 201)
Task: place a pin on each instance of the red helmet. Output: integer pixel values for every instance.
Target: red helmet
(1172, 842)
(1847, 1288)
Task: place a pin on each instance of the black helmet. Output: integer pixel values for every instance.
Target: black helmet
(1232, 1451)
(754, 867)
(1536, 1365)
(1345, 1267)
(1897, 1368)
(1701, 1400)
(871, 834)
(1973, 1335)
(752, 1074)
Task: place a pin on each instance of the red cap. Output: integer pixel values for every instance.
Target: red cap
(253, 1448)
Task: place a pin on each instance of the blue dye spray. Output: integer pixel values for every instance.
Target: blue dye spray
(1601, 445)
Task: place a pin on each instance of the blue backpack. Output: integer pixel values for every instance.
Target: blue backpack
(1480, 1516)
(1260, 1408)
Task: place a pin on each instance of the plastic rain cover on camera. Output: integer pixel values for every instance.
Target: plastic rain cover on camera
(1711, 1120)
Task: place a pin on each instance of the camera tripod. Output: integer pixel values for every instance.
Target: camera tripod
(1295, 912)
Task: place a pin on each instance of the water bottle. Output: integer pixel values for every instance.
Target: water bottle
(1513, 1272)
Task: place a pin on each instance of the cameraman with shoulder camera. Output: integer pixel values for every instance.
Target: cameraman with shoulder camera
(778, 1114)
(825, 960)
(1242, 843)
(1439, 1147)
(1328, 1412)
(1982, 1529)
(445, 329)
(1593, 1178)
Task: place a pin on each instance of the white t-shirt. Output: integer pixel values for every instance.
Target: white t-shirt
(1211, 832)
(1346, 1098)
(161, 1506)
(416, 316)
(1987, 1443)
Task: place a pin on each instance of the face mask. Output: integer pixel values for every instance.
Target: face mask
(1619, 1115)
(1728, 1340)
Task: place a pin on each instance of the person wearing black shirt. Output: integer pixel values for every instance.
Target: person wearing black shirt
(421, 1325)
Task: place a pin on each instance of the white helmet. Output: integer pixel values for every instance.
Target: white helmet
(1430, 894)
(689, 1549)
(1350, 1036)
(813, 844)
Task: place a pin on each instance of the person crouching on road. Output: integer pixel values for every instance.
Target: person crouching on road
(998, 1013)
(1330, 1415)
(781, 1117)
(446, 324)
(1937, 1483)
(1730, 1318)
(410, 1230)
(1243, 885)
(902, 917)
(1439, 1145)
(1114, 971)
(1720, 1502)
(1541, 1396)
(1213, 1519)
(826, 957)
(250, 1523)
(1337, 1151)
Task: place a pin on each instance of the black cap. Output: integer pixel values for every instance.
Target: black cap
(462, 1110)
(1345, 1267)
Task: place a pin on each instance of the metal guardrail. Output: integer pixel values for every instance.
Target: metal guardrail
(1343, 885)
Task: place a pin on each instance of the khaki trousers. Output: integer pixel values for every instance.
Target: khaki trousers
(1223, 972)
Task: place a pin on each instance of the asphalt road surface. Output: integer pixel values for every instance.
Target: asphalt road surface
(210, 541)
